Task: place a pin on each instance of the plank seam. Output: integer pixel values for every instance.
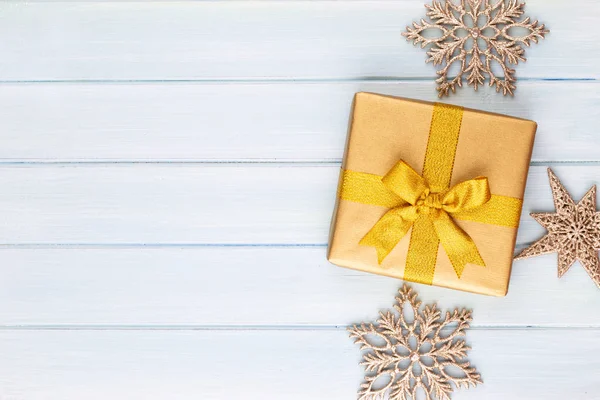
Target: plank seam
(272, 80)
(234, 328)
(294, 163)
(123, 246)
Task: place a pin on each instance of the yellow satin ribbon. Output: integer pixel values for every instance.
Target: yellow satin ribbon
(360, 187)
(421, 203)
(428, 205)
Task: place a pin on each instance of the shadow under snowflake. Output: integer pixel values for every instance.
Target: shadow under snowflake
(475, 37)
(407, 353)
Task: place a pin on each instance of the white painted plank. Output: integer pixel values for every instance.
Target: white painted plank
(67, 122)
(236, 287)
(239, 40)
(219, 365)
(197, 204)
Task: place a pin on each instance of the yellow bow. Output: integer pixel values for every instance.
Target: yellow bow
(417, 201)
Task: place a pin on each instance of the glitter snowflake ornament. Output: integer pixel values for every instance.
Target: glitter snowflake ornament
(477, 39)
(573, 231)
(421, 353)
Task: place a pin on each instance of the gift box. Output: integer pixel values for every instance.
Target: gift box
(431, 193)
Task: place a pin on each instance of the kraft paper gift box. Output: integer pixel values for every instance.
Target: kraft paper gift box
(431, 193)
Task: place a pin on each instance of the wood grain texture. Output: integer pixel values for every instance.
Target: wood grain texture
(254, 122)
(188, 204)
(515, 364)
(168, 173)
(262, 40)
(258, 287)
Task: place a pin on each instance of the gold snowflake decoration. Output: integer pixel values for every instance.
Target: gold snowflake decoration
(476, 37)
(424, 353)
(573, 231)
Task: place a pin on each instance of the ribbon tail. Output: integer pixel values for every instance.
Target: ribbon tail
(388, 231)
(457, 244)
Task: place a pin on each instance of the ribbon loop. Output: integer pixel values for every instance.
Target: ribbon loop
(405, 182)
(467, 195)
(437, 207)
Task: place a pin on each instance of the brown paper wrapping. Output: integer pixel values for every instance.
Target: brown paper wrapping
(384, 130)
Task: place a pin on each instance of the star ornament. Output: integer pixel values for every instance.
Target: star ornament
(573, 231)
(476, 39)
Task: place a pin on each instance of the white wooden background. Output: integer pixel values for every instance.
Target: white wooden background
(167, 175)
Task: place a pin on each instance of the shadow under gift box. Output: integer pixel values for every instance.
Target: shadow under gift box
(385, 130)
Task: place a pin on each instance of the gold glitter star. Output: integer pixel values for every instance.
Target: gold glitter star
(573, 231)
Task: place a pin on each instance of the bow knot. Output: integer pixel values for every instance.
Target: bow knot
(430, 200)
(417, 200)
